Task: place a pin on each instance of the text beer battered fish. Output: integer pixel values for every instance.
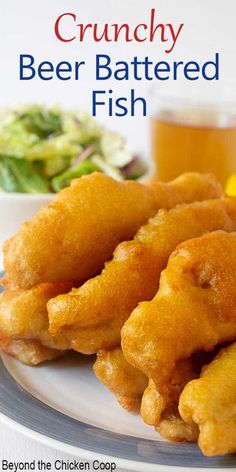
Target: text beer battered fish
(194, 309)
(92, 316)
(72, 237)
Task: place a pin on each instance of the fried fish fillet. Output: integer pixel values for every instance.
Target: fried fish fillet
(92, 316)
(210, 403)
(127, 383)
(173, 428)
(24, 323)
(154, 403)
(194, 309)
(30, 352)
(161, 411)
(72, 237)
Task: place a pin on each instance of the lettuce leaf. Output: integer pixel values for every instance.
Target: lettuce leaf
(42, 121)
(63, 180)
(18, 175)
(55, 146)
(15, 140)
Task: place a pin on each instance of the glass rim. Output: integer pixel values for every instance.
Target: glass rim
(172, 98)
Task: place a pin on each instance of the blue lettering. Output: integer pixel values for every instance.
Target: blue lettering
(216, 68)
(28, 67)
(162, 67)
(190, 68)
(44, 68)
(95, 102)
(103, 67)
(63, 67)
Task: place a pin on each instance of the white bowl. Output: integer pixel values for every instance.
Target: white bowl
(15, 208)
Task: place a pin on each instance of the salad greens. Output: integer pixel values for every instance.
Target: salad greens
(43, 149)
(19, 175)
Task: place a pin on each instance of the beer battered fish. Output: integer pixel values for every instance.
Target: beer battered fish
(210, 402)
(24, 323)
(173, 428)
(72, 237)
(92, 316)
(194, 309)
(127, 383)
(31, 352)
(154, 403)
(161, 411)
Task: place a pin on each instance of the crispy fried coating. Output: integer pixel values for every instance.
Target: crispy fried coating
(210, 402)
(72, 237)
(154, 403)
(91, 317)
(127, 383)
(30, 352)
(6, 284)
(173, 428)
(166, 419)
(194, 309)
(24, 323)
(187, 188)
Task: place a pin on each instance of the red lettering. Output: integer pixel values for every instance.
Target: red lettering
(136, 35)
(83, 29)
(104, 35)
(151, 31)
(117, 30)
(174, 36)
(57, 26)
(153, 28)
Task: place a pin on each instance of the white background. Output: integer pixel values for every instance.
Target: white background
(26, 27)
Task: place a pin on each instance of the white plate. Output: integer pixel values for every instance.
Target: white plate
(62, 404)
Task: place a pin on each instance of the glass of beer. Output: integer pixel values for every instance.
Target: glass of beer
(193, 136)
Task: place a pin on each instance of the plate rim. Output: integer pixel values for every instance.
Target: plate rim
(83, 452)
(60, 446)
(132, 466)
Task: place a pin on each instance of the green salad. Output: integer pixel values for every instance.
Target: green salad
(42, 149)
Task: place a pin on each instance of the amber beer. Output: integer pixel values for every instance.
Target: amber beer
(183, 145)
